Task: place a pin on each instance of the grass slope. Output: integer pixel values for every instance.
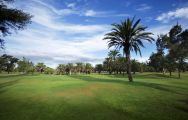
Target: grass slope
(93, 97)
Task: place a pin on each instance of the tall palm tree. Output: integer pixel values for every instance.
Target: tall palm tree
(129, 36)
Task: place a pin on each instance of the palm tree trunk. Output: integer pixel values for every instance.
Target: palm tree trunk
(129, 66)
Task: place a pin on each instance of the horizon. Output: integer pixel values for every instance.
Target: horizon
(72, 30)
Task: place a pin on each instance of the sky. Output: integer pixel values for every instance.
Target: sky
(64, 31)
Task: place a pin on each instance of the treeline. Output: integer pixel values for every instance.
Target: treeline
(171, 55)
(10, 63)
(115, 64)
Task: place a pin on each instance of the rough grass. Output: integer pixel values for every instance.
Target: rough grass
(152, 96)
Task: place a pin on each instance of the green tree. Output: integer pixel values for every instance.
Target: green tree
(49, 70)
(79, 67)
(8, 63)
(155, 61)
(107, 65)
(99, 68)
(40, 67)
(170, 63)
(135, 65)
(129, 36)
(25, 66)
(61, 69)
(121, 66)
(11, 19)
(88, 68)
(69, 68)
(114, 54)
(178, 46)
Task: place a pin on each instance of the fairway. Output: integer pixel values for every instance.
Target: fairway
(93, 97)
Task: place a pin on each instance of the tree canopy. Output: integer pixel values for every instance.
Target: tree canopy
(11, 19)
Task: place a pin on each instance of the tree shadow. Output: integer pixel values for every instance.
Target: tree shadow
(157, 86)
(17, 75)
(6, 84)
(182, 108)
(148, 76)
(10, 76)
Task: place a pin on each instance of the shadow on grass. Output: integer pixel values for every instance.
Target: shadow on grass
(17, 75)
(148, 76)
(182, 108)
(157, 86)
(10, 76)
(7, 84)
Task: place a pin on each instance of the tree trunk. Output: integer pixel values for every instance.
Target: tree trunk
(129, 66)
(170, 73)
(179, 73)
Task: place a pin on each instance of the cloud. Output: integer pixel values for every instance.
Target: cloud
(160, 29)
(170, 15)
(73, 10)
(143, 7)
(52, 19)
(90, 13)
(40, 46)
(71, 5)
(52, 40)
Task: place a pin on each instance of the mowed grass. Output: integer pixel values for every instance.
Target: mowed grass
(152, 96)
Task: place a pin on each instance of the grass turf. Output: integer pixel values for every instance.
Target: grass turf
(93, 97)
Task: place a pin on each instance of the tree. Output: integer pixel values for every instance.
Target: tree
(49, 70)
(135, 65)
(88, 68)
(69, 68)
(79, 67)
(11, 19)
(99, 68)
(156, 61)
(121, 66)
(129, 36)
(113, 55)
(178, 46)
(61, 69)
(170, 63)
(107, 65)
(40, 67)
(8, 63)
(25, 66)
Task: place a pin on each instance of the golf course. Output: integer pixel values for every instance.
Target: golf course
(93, 60)
(152, 96)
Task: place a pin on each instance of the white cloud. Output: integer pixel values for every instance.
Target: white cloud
(157, 30)
(51, 20)
(40, 46)
(90, 13)
(178, 13)
(71, 5)
(143, 7)
(52, 40)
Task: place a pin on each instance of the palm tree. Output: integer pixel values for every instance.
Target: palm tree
(128, 35)
(113, 54)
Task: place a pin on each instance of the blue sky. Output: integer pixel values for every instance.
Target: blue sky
(64, 31)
